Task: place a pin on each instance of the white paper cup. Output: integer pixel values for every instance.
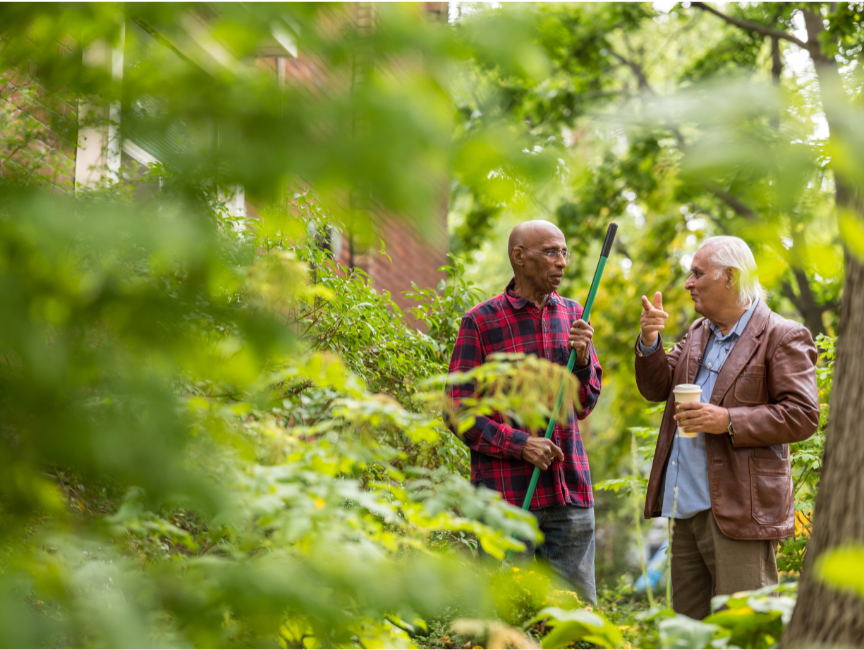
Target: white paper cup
(684, 394)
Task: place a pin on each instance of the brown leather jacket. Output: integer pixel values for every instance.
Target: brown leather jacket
(768, 383)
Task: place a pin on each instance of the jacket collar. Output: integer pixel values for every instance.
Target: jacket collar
(518, 302)
(741, 353)
(747, 344)
(740, 326)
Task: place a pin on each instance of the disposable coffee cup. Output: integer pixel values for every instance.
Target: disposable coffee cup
(684, 394)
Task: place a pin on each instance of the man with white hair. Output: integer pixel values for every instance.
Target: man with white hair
(729, 488)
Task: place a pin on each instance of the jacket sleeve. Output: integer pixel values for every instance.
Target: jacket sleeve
(654, 370)
(486, 435)
(792, 412)
(590, 384)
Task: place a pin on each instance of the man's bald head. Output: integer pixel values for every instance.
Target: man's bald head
(532, 234)
(537, 271)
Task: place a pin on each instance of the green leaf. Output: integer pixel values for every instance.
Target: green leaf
(684, 632)
(569, 626)
(842, 568)
(853, 233)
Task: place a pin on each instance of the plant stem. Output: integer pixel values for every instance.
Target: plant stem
(638, 516)
(669, 548)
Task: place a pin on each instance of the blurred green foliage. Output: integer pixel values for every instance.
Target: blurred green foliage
(213, 435)
(807, 467)
(247, 477)
(841, 568)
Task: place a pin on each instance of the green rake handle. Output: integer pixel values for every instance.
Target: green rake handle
(586, 314)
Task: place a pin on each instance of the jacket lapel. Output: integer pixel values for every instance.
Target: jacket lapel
(697, 347)
(741, 353)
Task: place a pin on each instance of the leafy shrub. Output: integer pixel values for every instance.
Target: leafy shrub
(806, 467)
(256, 488)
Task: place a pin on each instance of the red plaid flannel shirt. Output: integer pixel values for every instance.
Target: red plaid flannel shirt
(509, 323)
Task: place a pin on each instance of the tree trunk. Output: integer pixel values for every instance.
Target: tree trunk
(824, 616)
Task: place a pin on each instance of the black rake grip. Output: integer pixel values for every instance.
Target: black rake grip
(610, 237)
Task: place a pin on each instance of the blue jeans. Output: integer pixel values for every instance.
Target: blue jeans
(568, 547)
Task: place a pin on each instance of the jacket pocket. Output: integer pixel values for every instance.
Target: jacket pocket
(770, 490)
(751, 386)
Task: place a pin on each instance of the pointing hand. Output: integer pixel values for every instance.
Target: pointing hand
(653, 319)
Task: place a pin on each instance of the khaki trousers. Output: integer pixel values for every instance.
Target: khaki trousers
(706, 563)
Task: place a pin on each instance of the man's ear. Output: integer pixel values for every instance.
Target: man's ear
(518, 257)
(731, 277)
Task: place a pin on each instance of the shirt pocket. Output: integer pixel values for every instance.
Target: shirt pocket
(770, 490)
(501, 340)
(751, 385)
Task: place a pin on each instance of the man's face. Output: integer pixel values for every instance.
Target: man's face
(544, 272)
(710, 296)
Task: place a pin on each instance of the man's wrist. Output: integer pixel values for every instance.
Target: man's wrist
(517, 443)
(648, 349)
(583, 373)
(729, 427)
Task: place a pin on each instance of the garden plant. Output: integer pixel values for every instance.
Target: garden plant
(215, 434)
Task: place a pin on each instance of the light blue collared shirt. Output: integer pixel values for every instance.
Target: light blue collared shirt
(688, 461)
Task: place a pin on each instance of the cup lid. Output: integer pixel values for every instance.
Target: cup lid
(687, 388)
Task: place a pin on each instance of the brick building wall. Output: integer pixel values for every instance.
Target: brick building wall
(62, 155)
(37, 132)
(414, 252)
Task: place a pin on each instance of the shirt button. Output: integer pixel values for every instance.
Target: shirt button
(673, 462)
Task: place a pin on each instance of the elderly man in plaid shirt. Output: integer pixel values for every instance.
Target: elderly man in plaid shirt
(531, 318)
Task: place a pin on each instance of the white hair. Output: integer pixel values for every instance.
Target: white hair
(733, 253)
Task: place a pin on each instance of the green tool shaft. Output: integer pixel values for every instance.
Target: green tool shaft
(571, 362)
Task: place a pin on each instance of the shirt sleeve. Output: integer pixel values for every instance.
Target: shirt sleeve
(654, 370)
(590, 384)
(647, 349)
(486, 435)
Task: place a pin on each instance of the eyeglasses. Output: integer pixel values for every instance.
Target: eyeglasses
(700, 359)
(708, 367)
(551, 255)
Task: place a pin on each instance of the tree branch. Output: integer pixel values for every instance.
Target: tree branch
(164, 41)
(804, 289)
(750, 26)
(730, 199)
(641, 79)
(717, 221)
(804, 301)
(789, 292)
(815, 26)
(623, 249)
(725, 196)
